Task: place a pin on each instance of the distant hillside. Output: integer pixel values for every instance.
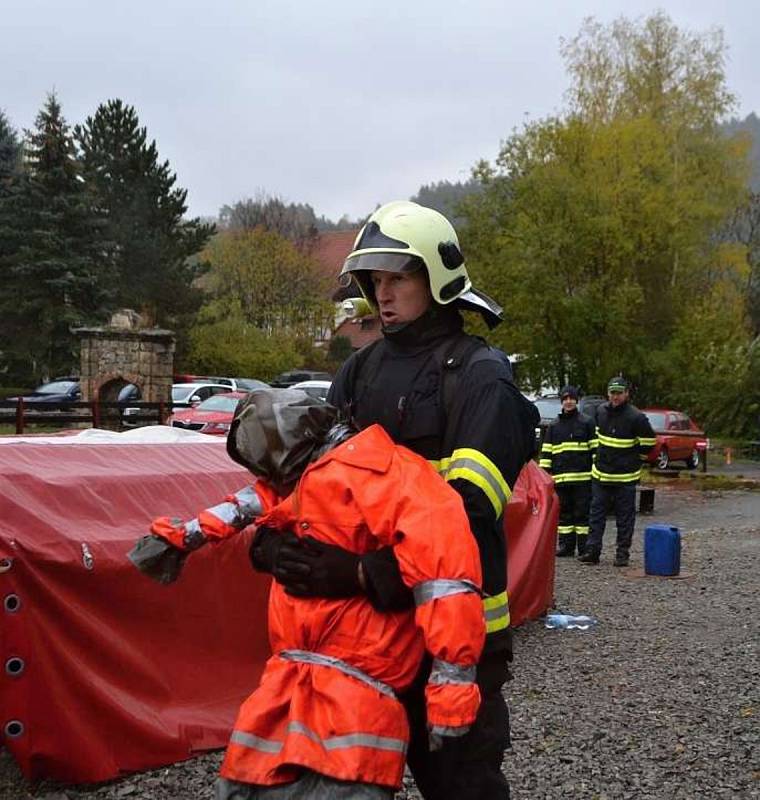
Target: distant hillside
(750, 124)
(445, 197)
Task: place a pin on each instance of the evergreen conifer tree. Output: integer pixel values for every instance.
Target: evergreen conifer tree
(10, 152)
(49, 240)
(153, 244)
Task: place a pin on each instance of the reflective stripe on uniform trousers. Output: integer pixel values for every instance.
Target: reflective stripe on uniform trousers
(562, 529)
(471, 465)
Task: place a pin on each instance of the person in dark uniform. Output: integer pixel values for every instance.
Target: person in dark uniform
(625, 438)
(566, 454)
(449, 397)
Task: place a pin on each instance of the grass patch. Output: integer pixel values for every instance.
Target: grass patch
(10, 430)
(699, 480)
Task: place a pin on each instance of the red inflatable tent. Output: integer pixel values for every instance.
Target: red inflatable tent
(107, 672)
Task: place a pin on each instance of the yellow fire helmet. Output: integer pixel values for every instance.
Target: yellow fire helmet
(403, 237)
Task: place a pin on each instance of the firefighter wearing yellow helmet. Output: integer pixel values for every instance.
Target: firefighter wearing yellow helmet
(449, 397)
(403, 237)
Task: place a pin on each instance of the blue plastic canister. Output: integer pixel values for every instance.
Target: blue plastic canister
(662, 550)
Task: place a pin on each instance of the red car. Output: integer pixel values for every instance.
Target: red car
(679, 438)
(213, 415)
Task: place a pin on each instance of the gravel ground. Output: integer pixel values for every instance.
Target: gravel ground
(660, 700)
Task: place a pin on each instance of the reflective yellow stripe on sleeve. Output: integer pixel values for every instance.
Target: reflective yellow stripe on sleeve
(646, 441)
(471, 465)
(496, 610)
(572, 447)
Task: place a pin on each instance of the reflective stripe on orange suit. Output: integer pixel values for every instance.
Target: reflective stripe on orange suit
(363, 495)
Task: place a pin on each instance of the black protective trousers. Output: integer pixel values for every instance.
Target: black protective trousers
(466, 767)
(574, 503)
(622, 498)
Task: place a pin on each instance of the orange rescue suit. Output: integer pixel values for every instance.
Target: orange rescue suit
(327, 698)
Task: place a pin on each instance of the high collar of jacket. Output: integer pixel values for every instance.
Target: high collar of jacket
(435, 324)
(617, 409)
(371, 449)
(568, 414)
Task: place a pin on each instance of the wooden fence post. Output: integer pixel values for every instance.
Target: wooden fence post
(20, 415)
(96, 410)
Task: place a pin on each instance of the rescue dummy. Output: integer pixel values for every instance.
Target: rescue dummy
(325, 720)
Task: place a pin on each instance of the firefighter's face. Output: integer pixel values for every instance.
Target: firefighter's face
(617, 398)
(401, 296)
(569, 403)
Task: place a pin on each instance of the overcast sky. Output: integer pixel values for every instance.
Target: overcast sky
(340, 104)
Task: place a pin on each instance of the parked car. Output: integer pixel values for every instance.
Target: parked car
(679, 438)
(549, 406)
(318, 389)
(589, 403)
(248, 384)
(285, 379)
(130, 394)
(233, 384)
(59, 391)
(213, 415)
(185, 395)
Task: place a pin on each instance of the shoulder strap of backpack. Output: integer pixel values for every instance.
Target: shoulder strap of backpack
(366, 363)
(453, 358)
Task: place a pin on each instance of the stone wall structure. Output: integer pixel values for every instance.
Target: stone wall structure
(123, 352)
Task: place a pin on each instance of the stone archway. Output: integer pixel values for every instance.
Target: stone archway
(122, 353)
(108, 392)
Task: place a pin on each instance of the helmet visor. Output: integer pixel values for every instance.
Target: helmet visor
(382, 262)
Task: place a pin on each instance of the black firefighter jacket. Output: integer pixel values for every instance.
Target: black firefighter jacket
(625, 438)
(568, 447)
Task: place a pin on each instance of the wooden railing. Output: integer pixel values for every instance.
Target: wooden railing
(97, 413)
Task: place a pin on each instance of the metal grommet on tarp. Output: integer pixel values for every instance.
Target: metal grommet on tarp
(13, 729)
(12, 603)
(14, 666)
(5, 564)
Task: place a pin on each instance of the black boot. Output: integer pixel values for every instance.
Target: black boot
(590, 556)
(621, 559)
(581, 541)
(566, 545)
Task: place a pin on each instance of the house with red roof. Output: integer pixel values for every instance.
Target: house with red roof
(329, 251)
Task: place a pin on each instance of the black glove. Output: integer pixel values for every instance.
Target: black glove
(386, 589)
(265, 548)
(308, 568)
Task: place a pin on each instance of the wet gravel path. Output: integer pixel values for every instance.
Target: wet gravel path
(660, 700)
